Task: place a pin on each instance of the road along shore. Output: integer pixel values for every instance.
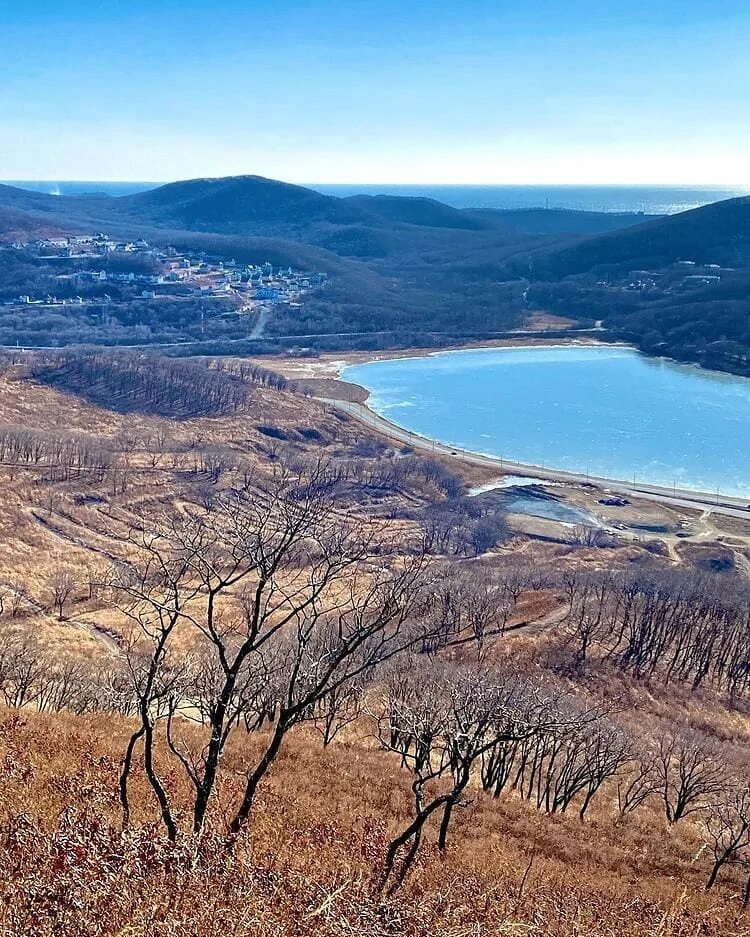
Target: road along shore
(677, 497)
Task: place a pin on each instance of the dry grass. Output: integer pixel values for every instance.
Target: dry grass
(318, 835)
(307, 865)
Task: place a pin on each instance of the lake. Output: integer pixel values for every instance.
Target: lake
(605, 410)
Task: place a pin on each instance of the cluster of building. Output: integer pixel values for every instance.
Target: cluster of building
(683, 275)
(179, 273)
(82, 246)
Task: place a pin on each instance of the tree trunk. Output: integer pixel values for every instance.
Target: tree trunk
(127, 766)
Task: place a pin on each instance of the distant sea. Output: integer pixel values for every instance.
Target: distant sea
(84, 188)
(650, 199)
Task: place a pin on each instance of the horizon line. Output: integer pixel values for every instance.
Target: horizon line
(704, 185)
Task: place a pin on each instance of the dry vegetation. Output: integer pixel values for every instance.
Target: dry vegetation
(262, 675)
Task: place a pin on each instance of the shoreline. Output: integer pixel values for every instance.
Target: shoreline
(323, 377)
(330, 366)
(676, 497)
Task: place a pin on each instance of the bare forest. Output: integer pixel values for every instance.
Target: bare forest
(262, 672)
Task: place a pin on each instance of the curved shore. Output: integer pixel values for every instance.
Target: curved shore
(678, 497)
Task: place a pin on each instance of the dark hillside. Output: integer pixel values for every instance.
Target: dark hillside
(677, 286)
(23, 226)
(559, 221)
(424, 212)
(713, 234)
(239, 204)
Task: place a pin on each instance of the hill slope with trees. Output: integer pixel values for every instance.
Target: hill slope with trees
(416, 271)
(678, 286)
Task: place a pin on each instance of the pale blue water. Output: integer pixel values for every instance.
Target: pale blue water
(84, 188)
(607, 410)
(651, 199)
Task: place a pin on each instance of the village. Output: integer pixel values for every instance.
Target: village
(682, 276)
(139, 270)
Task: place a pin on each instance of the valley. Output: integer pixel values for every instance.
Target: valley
(259, 641)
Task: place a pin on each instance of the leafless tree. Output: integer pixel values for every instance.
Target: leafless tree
(728, 829)
(441, 720)
(63, 585)
(285, 606)
(692, 774)
(665, 624)
(643, 781)
(469, 604)
(337, 710)
(22, 666)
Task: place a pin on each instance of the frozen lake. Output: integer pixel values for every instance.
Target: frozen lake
(609, 411)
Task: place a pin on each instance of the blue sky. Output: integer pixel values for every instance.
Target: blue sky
(358, 91)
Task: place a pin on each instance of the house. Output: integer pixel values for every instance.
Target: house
(148, 294)
(699, 280)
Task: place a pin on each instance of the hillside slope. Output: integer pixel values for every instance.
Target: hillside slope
(714, 234)
(677, 286)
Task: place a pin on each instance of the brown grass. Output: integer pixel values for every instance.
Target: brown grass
(318, 835)
(307, 865)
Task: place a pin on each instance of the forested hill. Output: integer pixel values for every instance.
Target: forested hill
(253, 205)
(714, 234)
(678, 285)
(416, 270)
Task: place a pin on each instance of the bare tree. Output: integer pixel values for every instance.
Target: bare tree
(441, 721)
(63, 585)
(467, 605)
(728, 828)
(642, 782)
(22, 666)
(691, 774)
(285, 607)
(337, 710)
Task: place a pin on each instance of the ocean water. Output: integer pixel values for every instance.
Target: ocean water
(652, 200)
(609, 411)
(84, 188)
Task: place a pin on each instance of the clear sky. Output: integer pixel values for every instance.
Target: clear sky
(447, 91)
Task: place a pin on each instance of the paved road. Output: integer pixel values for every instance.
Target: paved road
(457, 339)
(729, 507)
(260, 326)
